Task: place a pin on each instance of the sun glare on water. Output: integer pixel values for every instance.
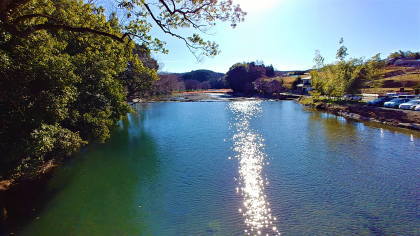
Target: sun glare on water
(249, 149)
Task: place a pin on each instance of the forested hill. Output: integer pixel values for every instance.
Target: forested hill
(202, 75)
(199, 75)
(197, 79)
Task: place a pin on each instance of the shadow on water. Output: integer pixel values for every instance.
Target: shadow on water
(22, 203)
(94, 193)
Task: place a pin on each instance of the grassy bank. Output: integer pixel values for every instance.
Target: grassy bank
(316, 101)
(392, 79)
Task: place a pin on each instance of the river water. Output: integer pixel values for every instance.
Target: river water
(237, 168)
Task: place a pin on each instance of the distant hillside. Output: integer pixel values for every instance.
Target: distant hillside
(168, 73)
(291, 72)
(393, 78)
(198, 79)
(207, 79)
(199, 75)
(202, 75)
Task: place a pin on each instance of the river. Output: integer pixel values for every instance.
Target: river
(237, 168)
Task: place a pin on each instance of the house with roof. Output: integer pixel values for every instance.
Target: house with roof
(305, 85)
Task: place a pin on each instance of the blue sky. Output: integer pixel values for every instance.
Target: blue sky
(286, 33)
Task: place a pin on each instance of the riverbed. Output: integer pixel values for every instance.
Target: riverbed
(236, 168)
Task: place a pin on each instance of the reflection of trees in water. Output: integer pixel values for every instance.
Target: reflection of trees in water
(336, 129)
(339, 130)
(341, 137)
(98, 193)
(160, 109)
(370, 175)
(134, 143)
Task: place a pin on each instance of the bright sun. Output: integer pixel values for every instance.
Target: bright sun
(256, 6)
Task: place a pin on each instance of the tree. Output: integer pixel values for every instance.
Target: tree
(66, 68)
(241, 76)
(270, 71)
(138, 82)
(166, 85)
(268, 87)
(404, 54)
(344, 77)
(342, 50)
(318, 60)
(218, 83)
(25, 17)
(295, 83)
(374, 67)
(205, 85)
(191, 84)
(60, 90)
(144, 54)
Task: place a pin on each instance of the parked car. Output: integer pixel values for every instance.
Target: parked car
(392, 94)
(416, 108)
(352, 97)
(379, 101)
(394, 103)
(407, 96)
(410, 104)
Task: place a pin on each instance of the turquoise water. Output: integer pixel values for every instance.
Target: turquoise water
(237, 168)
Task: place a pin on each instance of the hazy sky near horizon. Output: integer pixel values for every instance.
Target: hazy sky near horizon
(286, 33)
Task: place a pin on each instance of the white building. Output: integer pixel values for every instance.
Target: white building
(305, 86)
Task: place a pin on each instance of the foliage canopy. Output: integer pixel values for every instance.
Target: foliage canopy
(25, 17)
(66, 68)
(344, 76)
(248, 78)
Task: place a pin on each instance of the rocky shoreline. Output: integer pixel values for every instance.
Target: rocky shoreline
(359, 112)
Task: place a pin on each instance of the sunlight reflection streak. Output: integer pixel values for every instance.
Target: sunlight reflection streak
(249, 148)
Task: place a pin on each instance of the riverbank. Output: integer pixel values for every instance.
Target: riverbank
(196, 96)
(214, 95)
(362, 112)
